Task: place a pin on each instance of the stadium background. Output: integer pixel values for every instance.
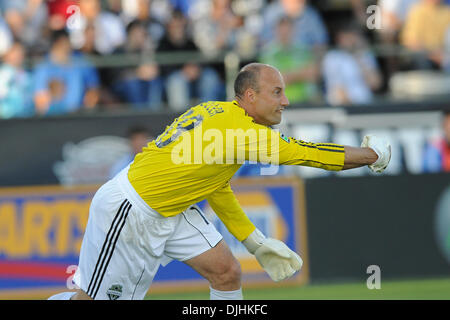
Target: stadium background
(64, 124)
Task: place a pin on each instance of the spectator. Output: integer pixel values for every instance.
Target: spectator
(15, 85)
(182, 5)
(424, 32)
(138, 138)
(64, 82)
(437, 152)
(296, 63)
(393, 15)
(247, 35)
(115, 7)
(187, 80)
(309, 29)
(88, 47)
(6, 37)
(141, 10)
(106, 74)
(139, 85)
(350, 71)
(26, 19)
(109, 29)
(215, 27)
(222, 25)
(359, 8)
(60, 11)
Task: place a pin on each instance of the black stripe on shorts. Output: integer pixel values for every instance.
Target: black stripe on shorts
(204, 237)
(108, 248)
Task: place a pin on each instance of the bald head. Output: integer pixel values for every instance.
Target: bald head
(259, 89)
(249, 77)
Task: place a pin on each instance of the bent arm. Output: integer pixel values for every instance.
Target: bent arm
(358, 157)
(229, 211)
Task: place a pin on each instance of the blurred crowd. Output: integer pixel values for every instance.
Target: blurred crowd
(56, 54)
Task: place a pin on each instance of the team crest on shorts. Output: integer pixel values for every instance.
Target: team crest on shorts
(114, 292)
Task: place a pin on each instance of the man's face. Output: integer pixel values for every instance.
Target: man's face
(176, 29)
(90, 8)
(347, 40)
(144, 8)
(15, 55)
(62, 48)
(270, 101)
(293, 7)
(137, 37)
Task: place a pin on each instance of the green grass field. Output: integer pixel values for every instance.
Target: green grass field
(428, 289)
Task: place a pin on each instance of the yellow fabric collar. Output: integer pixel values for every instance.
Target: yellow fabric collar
(242, 110)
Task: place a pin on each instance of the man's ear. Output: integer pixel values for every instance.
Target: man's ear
(251, 94)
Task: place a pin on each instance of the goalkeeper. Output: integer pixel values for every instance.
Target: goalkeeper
(146, 216)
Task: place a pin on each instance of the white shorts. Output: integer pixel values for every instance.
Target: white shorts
(126, 241)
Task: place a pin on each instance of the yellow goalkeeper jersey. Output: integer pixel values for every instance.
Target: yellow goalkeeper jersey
(197, 155)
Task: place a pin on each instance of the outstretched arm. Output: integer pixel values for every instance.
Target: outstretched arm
(358, 157)
(374, 152)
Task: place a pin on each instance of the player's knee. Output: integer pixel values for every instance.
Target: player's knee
(235, 272)
(228, 274)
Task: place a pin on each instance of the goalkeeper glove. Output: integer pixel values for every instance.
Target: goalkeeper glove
(382, 148)
(274, 256)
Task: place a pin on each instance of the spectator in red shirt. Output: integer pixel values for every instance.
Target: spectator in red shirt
(437, 152)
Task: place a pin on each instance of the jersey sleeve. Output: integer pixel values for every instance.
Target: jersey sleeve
(229, 211)
(270, 146)
(328, 156)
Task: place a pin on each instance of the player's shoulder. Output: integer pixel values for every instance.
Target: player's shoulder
(223, 113)
(214, 110)
(213, 107)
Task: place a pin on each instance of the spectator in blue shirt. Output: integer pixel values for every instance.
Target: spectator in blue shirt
(15, 83)
(309, 29)
(350, 71)
(140, 86)
(64, 82)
